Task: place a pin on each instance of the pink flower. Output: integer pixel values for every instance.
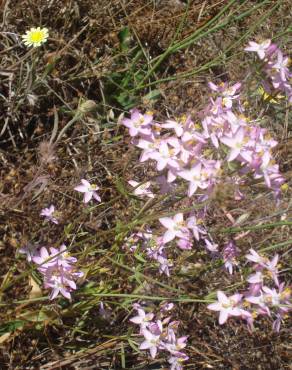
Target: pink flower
(195, 177)
(57, 270)
(138, 123)
(237, 144)
(260, 49)
(175, 227)
(60, 281)
(177, 126)
(192, 224)
(142, 318)
(29, 251)
(176, 361)
(151, 342)
(43, 259)
(226, 306)
(281, 66)
(48, 214)
(89, 191)
(165, 156)
(142, 189)
(227, 92)
(230, 253)
(63, 257)
(211, 246)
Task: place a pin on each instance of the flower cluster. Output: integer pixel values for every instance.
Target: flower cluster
(275, 66)
(160, 334)
(265, 295)
(226, 147)
(152, 245)
(225, 134)
(57, 268)
(56, 265)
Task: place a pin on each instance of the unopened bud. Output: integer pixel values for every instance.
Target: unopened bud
(87, 106)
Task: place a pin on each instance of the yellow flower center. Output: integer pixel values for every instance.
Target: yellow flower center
(37, 36)
(93, 187)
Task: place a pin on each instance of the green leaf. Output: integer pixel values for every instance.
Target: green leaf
(152, 95)
(139, 258)
(11, 326)
(124, 38)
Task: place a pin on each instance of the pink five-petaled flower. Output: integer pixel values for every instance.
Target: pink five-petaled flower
(177, 126)
(142, 189)
(237, 143)
(48, 213)
(227, 92)
(138, 123)
(281, 66)
(260, 49)
(142, 318)
(176, 361)
(89, 191)
(195, 177)
(44, 259)
(63, 257)
(264, 263)
(227, 306)
(60, 281)
(192, 224)
(165, 156)
(175, 227)
(151, 342)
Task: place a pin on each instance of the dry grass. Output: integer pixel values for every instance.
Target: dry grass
(87, 57)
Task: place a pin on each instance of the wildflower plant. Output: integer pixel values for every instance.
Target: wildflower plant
(35, 37)
(160, 335)
(192, 157)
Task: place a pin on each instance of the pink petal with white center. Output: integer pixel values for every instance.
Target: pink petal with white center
(192, 188)
(145, 345)
(81, 188)
(85, 183)
(215, 306)
(87, 197)
(65, 293)
(168, 236)
(167, 222)
(54, 293)
(222, 298)
(223, 316)
(153, 352)
(96, 197)
(178, 218)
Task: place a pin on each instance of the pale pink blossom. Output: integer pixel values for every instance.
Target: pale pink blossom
(89, 190)
(260, 49)
(142, 189)
(226, 306)
(175, 227)
(48, 213)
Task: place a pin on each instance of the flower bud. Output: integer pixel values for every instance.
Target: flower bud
(87, 106)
